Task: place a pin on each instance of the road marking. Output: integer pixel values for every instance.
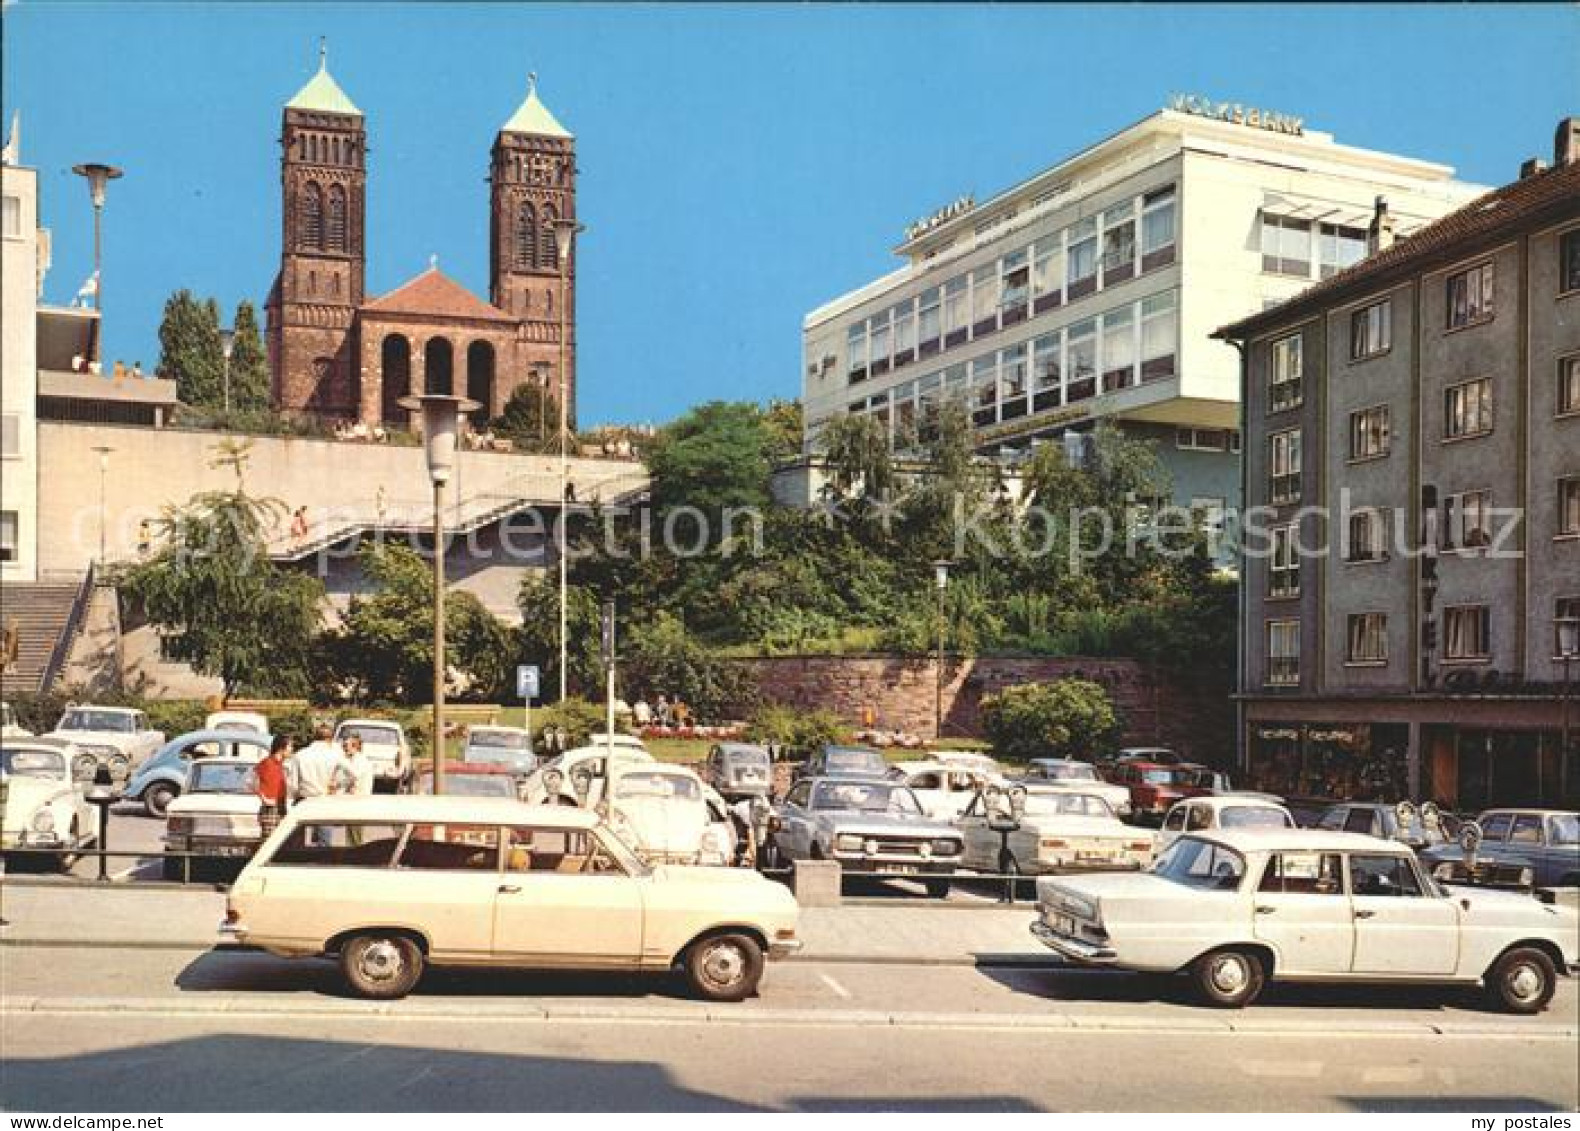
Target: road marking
(835, 986)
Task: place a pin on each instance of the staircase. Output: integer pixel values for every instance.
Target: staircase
(47, 615)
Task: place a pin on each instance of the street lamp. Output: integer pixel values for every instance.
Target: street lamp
(941, 583)
(104, 470)
(227, 344)
(1568, 632)
(98, 177)
(565, 233)
(441, 427)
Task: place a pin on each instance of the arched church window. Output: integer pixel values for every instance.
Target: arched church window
(312, 234)
(526, 232)
(335, 228)
(548, 254)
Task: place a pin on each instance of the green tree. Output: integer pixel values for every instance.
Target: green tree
(383, 649)
(249, 364)
(661, 658)
(224, 607)
(1069, 718)
(716, 456)
(189, 349)
(539, 600)
(529, 417)
(785, 422)
(856, 447)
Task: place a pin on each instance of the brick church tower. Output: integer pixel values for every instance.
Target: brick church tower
(312, 308)
(532, 176)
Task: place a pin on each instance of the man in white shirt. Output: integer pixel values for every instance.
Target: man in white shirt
(356, 773)
(320, 769)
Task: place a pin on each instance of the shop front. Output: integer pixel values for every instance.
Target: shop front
(1328, 761)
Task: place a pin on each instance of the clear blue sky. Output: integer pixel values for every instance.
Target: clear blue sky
(739, 165)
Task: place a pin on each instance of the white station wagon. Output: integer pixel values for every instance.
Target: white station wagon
(391, 884)
(1235, 908)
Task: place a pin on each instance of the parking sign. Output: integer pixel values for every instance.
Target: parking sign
(526, 681)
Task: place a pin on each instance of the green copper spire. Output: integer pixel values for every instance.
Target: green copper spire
(532, 117)
(322, 92)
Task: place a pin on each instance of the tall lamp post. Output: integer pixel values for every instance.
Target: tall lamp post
(940, 583)
(98, 177)
(104, 471)
(1568, 632)
(441, 426)
(227, 345)
(565, 233)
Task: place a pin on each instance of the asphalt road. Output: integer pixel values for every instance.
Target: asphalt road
(162, 1029)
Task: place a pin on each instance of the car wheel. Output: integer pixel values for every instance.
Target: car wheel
(1521, 981)
(157, 798)
(1230, 979)
(936, 889)
(381, 966)
(724, 967)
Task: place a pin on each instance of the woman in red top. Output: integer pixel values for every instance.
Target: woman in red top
(273, 788)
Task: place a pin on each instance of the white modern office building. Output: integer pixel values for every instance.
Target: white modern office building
(1089, 291)
(25, 250)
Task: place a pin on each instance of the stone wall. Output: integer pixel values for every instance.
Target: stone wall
(1156, 708)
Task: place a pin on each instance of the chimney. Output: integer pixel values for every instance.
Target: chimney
(1379, 233)
(1531, 166)
(1566, 143)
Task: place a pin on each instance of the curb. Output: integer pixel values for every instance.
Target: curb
(748, 1015)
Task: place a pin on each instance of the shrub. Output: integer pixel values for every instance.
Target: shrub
(797, 732)
(1069, 718)
(580, 718)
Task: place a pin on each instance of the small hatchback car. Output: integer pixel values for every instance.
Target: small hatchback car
(391, 884)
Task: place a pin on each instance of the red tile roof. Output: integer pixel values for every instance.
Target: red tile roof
(1501, 211)
(435, 294)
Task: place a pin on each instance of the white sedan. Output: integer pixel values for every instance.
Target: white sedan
(1057, 830)
(1236, 908)
(45, 805)
(1220, 811)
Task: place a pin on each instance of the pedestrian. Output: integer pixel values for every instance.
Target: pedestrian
(317, 768)
(298, 527)
(641, 713)
(356, 776)
(273, 786)
(663, 710)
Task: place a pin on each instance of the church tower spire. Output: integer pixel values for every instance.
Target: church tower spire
(323, 182)
(532, 178)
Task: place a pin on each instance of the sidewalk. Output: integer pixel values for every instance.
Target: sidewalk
(122, 917)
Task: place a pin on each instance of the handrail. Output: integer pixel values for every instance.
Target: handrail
(68, 636)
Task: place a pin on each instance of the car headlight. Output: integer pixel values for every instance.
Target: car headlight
(847, 842)
(43, 821)
(946, 847)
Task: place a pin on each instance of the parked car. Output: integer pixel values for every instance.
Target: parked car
(9, 728)
(237, 720)
(1547, 841)
(972, 760)
(843, 761)
(1058, 830)
(578, 776)
(510, 747)
(467, 779)
(867, 825)
(944, 790)
(216, 816)
(1235, 908)
(664, 813)
(739, 770)
(1154, 786)
(1403, 822)
(1224, 811)
(1067, 773)
(117, 737)
(160, 780)
(45, 807)
(390, 885)
(1148, 754)
(384, 743)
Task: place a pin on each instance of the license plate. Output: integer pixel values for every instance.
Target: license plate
(1092, 857)
(897, 869)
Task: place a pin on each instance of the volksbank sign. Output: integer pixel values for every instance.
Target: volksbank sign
(1240, 115)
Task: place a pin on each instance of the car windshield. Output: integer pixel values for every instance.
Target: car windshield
(222, 777)
(1064, 804)
(1254, 817)
(500, 740)
(80, 719)
(1200, 863)
(866, 797)
(657, 785)
(31, 762)
(1563, 828)
(236, 724)
(1166, 777)
(471, 785)
(370, 735)
(1073, 771)
(854, 761)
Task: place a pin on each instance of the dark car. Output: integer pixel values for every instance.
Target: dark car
(1402, 822)
(1547, 841)
(844, 762)
(738, 770)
